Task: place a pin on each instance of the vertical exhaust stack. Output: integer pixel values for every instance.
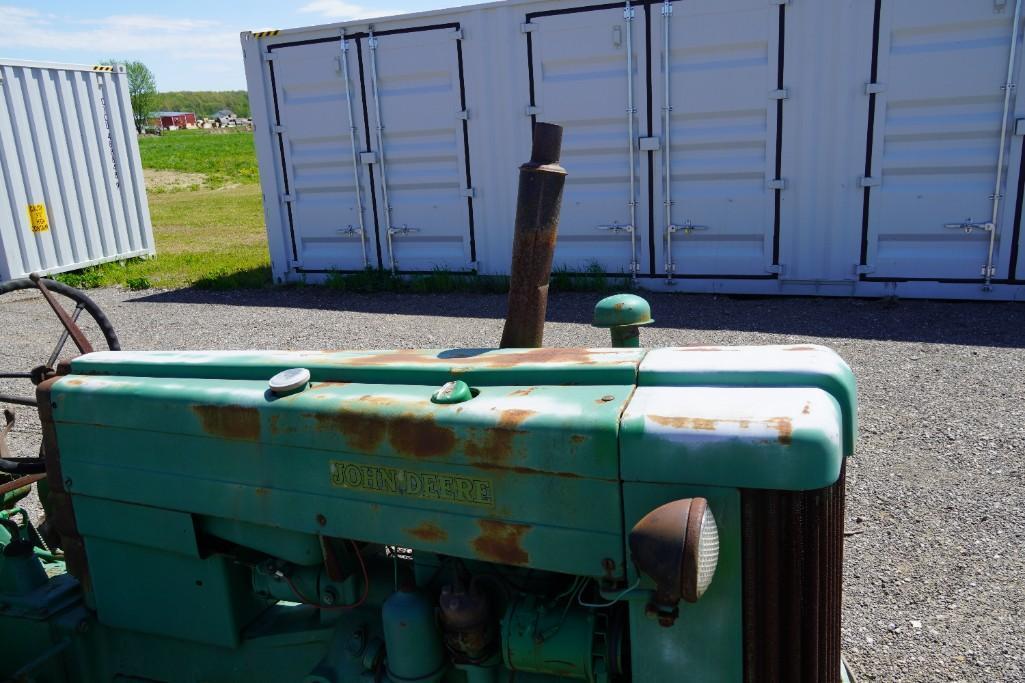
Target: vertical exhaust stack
(537, 225)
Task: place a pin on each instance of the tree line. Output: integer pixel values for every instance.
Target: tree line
(142, 86)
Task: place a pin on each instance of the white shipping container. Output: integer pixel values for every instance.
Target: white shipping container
(847, 148)
(71, 187)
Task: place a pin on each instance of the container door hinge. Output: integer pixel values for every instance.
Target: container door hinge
(293, 265)
(528, 27)
(781, 94)
(866, 181)
(1019, 126)
(469, 192)
(863, 269)
(288, 198)
(368, 158)
(278, 129)
(269, 56)
(629, 13)
(779, 2)
(874, 88)
(350, 231)
(463, 115)
(457, 34)
(667, 9)
(778, 184)
(992, 270)
(774, 268)
(532, 110)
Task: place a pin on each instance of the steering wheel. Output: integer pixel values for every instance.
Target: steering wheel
(54, 293)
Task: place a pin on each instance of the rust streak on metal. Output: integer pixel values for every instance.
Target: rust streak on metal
(420, 437)
(20, 482)
(262, 492)
(501, 542)
(523, 392)
(429, 532)
(229, 422)
(577, 438)
(807, 408)
(700, 348)
(497, 444)
(784, 426)
(410, 434)
(686, 422)
(800, 348)
(502, 469)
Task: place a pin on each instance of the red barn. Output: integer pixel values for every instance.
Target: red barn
(170, 120)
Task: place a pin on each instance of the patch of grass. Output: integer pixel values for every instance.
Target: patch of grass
(443, 282)
(223, 156)
(209, 238)
(593, 279)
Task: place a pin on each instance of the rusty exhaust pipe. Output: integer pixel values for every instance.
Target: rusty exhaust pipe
(537, 225)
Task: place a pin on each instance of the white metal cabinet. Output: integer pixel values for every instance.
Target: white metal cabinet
(939, 103)
(579, 80)
(322, 197)
(418, 121)
(717, 162)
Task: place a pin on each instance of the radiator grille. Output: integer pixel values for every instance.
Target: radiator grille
(793, 559)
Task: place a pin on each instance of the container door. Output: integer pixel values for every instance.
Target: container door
(580, 69)
(322, 195)
(936, 140)
(419, 132)
(717, 163)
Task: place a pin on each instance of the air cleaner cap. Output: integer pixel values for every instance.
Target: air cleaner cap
(289, 380)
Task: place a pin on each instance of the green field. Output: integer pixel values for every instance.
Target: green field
(207, 210)
(223, 156)
(209, 235)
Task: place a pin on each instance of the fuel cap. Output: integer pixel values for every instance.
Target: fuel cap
(289, 380)
(455, 391)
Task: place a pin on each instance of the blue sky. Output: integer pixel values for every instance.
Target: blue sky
(188, 44)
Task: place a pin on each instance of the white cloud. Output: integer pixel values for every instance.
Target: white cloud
(127, 36)
(339, 9)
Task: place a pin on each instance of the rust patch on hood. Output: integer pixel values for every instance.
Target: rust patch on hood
(501, 542)
(408, 433)
(420, 437)
(700, 348)
(686, 422)
(229, 422)
(801, 348)
(429, 532)
(496, 444)
(522, 392)
(784, 426)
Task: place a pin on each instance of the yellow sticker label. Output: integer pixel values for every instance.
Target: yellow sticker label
(448, 488)
(37, 218)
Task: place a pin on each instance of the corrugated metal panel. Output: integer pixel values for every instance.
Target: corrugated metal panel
(579, 80)
(813, 148)
(941, 70)
(725, 95)
(72, 193)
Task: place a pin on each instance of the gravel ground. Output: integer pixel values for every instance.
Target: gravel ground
(934, 577)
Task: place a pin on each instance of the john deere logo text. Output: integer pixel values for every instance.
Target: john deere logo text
(401, 482)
